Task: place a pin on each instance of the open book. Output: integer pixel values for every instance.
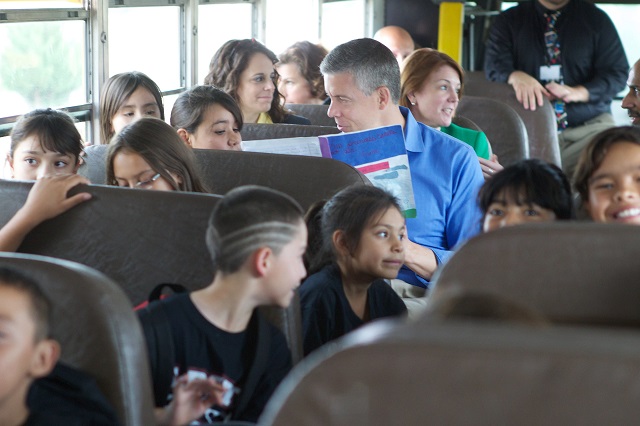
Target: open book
(377, 153)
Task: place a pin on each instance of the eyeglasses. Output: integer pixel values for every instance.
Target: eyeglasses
(146, 184)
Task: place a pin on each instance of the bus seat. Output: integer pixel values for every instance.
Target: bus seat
(570, 272)
(317, 114)
(461, 373)
(255, 131)
(139, 239)
(97, 330)
(306, 179)
(465, 122)
(540, 124)
(503, 127)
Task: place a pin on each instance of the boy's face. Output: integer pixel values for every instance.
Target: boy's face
(21, 358)
(614, 188)
(287, 269)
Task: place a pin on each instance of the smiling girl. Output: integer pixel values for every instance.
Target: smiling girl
(205, 117)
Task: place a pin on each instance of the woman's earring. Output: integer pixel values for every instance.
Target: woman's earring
(413, 103)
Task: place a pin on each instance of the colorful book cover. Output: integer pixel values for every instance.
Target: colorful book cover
(377, 153)
(380, 155)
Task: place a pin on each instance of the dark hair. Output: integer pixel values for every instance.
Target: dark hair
(116, 90)
(161, 147)
(307, 56)
(56, 131)
(247, 218)
(230, 61)
(40, 305)
(418, 67)
(351, 210)
(370, 62)
(189, 109)
(593, 155)
(530, 181)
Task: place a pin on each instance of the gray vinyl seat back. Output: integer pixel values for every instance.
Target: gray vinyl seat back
(502, 125)
(541, 124)
(465, 122)
(255, 131)
(571, 272)
(139, 239)
(462, 373)
(317, 114)
(306, 179)
(97, 330)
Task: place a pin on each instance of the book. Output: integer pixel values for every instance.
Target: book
(377, 153)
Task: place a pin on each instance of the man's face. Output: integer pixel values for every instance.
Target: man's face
(351, 109)
(554, 4)
(631, 101)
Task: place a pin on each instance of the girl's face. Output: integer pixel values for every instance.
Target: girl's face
(287, 269)
(132, 171)
(614, 188)
(505, 211)
(140, 104)
(293, 86)
(31, 161)
(256, 88)
(437, 99)
(218, 130)
(380, 252)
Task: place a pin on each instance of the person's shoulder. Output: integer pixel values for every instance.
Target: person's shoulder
(588, 11)
(319, 285)
(296, 119)
(443, 141)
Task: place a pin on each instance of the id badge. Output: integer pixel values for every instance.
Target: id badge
(550, 72)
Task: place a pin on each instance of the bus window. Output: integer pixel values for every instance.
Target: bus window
(289, 22)
(338, 23)
(43, 65)
(151, 46)
(214, 29)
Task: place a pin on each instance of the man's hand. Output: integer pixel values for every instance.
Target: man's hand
(529, 92)
(567, 93)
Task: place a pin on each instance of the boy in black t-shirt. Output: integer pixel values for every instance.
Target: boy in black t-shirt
(226, 359)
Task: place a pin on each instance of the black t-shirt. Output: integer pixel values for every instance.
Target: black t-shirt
(327, 314)
(202, 349)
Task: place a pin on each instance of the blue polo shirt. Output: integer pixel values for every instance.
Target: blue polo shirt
(446, 177)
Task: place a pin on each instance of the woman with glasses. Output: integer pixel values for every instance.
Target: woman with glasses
(149, 154)
(245, 69)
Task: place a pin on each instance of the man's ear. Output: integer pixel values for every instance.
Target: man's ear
(384, 97)
(184, 135)
(45, 357)
(262, 261)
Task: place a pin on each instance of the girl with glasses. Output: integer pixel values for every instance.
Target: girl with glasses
(149, 154)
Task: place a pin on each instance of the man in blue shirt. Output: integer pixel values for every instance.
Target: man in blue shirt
(362, 79)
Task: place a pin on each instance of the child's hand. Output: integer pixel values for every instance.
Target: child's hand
(48, 196)
(191, 398)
